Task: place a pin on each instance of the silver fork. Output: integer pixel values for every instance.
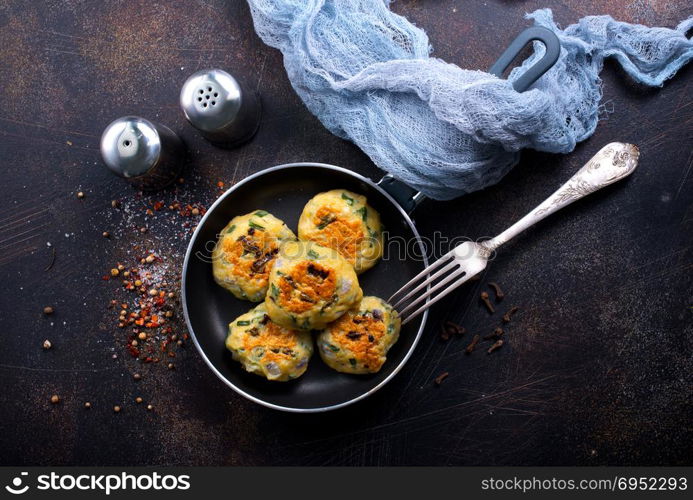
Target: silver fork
(612, 163)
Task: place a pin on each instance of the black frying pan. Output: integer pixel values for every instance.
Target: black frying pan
(284, 191)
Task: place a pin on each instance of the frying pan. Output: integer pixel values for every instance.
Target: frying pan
(283, 191)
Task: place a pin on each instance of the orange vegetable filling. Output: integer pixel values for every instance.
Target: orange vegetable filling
(361, 334)
(247, 251)
(278, 342)
(345, 236)
(306, 285)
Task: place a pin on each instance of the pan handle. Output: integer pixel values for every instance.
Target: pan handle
(532, 74)
(408, 197)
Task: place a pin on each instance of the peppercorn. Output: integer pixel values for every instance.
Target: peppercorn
(48, 310)
(116, 408)
(195, 211)
(143, 230)
(138, 283)
(171, 366)
(142, 336)
(114, 272)
(171, 295)
(87, 405)
(149, 259)
(47, 344)
(150, 407)
(137, 376)
(55, 399)
(115, 203)
(121, 267)
(138, 400)
(168, 314)
(106, 234)
(80, 194)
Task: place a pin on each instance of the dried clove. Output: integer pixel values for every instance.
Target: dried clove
(455, 329)
(497, 333)
(508, 315)
(487, 302)
(473, 344)
(497, 291)
(439, 379)
(445, 333)
(497, 345)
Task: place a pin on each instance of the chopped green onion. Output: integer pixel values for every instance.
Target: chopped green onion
(326, 221)
(274, 292)
(243, 323)
(364, 213)
(333, 348)
(348, 199)
(231, 229)
(261, 213)
(313, 254)
(390, 328)
(255, 225)
(352, 361)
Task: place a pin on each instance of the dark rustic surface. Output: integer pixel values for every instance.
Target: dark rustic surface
(598, 367)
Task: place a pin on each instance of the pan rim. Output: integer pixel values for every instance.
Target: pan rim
(184, 302)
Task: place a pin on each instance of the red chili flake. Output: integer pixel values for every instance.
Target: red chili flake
(220, 184)
(105, 277)
(158, 205)
(134, 351)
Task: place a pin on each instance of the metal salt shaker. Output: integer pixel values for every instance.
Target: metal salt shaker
(147, 154)
(225, 112)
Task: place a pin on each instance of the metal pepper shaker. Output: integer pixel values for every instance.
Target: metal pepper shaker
(225, 112)
(147, 154)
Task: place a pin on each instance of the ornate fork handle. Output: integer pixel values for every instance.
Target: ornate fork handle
(612, 163)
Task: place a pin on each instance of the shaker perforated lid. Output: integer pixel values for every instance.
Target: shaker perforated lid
(130, 146)
(216, 104)
(147, 154)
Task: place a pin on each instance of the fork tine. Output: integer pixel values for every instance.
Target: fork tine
(430, 291)
(443, 259)
(465, 277)
(431, 279)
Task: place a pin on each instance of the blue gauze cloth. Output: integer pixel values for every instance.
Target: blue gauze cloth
(366, 73)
